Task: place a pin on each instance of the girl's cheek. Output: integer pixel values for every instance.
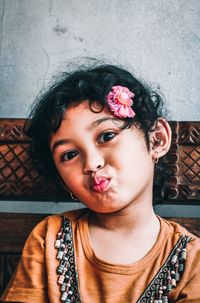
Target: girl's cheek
(69, 172)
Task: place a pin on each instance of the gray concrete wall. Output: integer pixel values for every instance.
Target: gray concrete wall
(158, 39)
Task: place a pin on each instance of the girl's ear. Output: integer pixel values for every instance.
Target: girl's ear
(160, 138)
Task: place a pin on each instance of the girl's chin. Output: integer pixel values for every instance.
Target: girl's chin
(109, 202)
(106, 209)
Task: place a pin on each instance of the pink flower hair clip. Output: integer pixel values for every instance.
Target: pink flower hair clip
(120, 101)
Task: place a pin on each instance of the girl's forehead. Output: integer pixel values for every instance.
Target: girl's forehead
(85, 113)
(76, 109)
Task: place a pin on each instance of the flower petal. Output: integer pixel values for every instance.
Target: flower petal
(120, 102)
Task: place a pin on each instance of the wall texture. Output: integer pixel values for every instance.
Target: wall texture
(159, 40)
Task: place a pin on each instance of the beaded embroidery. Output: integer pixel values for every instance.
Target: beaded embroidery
(168, 276)
(68, 277)
(157, 291)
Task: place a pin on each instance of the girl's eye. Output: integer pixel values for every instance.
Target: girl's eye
(106, 137)
(66, 156)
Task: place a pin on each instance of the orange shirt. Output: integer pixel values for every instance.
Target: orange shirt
(35, 279)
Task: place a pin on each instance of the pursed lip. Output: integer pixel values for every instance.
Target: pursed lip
(100, 184)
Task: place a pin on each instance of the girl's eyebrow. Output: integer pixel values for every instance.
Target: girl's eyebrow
(59, 142)
(99, 121)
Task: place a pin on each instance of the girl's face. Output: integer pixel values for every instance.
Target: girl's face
(105, 167)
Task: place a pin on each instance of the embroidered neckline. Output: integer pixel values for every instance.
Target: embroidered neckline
(157, 291)
(168, 275)
(67, 272)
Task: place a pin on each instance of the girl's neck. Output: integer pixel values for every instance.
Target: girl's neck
(115, 237)
(136, 218)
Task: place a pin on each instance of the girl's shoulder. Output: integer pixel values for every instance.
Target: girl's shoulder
(176, 231)
(51, 224)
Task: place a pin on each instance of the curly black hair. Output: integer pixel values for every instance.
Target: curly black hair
(93, 84)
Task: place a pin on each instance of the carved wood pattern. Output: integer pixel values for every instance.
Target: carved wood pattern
(12, 130)
(184, 160)
(189, 133)
(19, 180)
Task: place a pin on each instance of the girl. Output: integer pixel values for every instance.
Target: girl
(101, 132)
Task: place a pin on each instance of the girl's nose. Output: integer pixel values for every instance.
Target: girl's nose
(93, 163)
